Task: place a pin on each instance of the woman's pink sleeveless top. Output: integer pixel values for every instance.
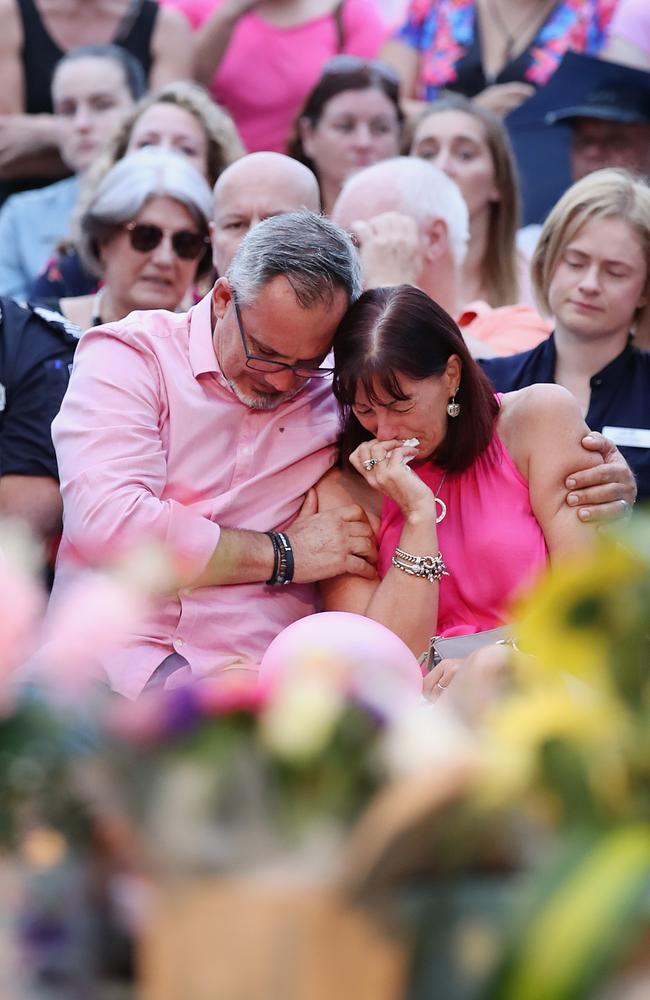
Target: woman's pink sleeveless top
(490, 540)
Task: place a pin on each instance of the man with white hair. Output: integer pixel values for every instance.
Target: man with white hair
(411, 224)
(257, 187)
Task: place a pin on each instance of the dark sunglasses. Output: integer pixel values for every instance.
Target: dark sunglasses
(349, 64)
(144, 238)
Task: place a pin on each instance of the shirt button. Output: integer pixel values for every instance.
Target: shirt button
(178, 643)
(597, 382)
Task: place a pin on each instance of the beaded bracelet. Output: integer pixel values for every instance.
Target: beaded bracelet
(276, 558)
(283, 560)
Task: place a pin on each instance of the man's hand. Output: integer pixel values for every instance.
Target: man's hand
(389, 247)
(605, 492)
(331, 543)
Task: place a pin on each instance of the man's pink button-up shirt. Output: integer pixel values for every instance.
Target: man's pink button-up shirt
(152, 442)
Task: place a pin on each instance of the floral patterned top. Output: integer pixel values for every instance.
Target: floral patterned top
(447, 34)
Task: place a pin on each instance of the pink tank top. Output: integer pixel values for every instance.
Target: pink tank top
(490, 540)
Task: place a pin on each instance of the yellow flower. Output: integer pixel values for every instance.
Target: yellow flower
(524, 721)
(575, 612)
(516, 729)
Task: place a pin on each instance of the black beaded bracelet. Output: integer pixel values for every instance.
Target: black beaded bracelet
(273, 579)
(286, 549)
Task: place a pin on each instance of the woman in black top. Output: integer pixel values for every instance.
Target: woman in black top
(35, 35)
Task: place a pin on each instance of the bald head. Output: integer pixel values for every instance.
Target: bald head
(410, 186)
(254, 188)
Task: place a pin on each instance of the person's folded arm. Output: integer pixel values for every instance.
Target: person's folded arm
(214, 36)
(13, 280)
(171, 48)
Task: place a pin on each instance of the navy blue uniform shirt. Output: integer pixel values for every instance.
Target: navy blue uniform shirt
(36, 351)
(620, 397)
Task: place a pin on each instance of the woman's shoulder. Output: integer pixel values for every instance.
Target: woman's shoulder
(537, 418)
(540, 401)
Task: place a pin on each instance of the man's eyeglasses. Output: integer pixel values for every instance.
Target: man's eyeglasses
(187, 245)
(265, 365)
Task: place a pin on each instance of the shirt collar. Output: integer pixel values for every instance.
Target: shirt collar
(614, 370)
(201, 347)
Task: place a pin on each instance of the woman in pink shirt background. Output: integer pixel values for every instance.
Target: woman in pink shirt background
(261, 58)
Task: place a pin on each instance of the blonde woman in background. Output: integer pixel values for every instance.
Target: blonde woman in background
(181, 117)
(471, 146)
(591, 273)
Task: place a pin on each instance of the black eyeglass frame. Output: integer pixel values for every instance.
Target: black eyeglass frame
(264, 365)
(202, 241)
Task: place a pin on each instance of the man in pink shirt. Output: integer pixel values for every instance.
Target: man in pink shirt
(205, 431)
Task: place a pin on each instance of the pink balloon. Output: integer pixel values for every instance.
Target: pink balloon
(368, 659)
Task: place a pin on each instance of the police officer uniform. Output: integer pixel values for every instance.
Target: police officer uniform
(36, 351)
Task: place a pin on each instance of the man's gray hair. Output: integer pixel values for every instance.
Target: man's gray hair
(423, 192)
(126, 188)
(313, 254)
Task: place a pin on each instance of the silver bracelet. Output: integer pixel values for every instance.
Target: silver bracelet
(431, 568)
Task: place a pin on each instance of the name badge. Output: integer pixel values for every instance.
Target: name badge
(628, 437)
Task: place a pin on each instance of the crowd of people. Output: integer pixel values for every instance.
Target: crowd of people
(244, 317)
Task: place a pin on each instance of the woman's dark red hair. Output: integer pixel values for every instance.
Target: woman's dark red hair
(397, 331)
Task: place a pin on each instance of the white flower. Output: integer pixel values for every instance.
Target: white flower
(425, 736)
(301, 717)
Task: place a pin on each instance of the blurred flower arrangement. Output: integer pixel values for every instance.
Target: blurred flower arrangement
(226, 773)
(551, 780)
(575, 733)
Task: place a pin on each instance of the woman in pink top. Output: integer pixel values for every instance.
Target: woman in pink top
(261, 58)
(481, 508)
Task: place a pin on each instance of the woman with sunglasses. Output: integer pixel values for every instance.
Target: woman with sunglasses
(145, 234)
(260, 58)
(351, 119)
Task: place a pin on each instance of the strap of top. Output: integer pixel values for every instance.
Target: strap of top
(40, 55)
(136, 31)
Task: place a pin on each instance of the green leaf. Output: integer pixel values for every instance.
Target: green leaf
(577, 931)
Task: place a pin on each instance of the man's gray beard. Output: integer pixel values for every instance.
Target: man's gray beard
(263, 402)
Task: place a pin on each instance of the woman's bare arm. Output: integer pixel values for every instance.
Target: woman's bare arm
(213, 38)
(406, 604)
(542, 427)
(405, 61)
(171, 48)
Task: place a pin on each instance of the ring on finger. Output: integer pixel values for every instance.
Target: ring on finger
(443, 687)
(370, 463)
